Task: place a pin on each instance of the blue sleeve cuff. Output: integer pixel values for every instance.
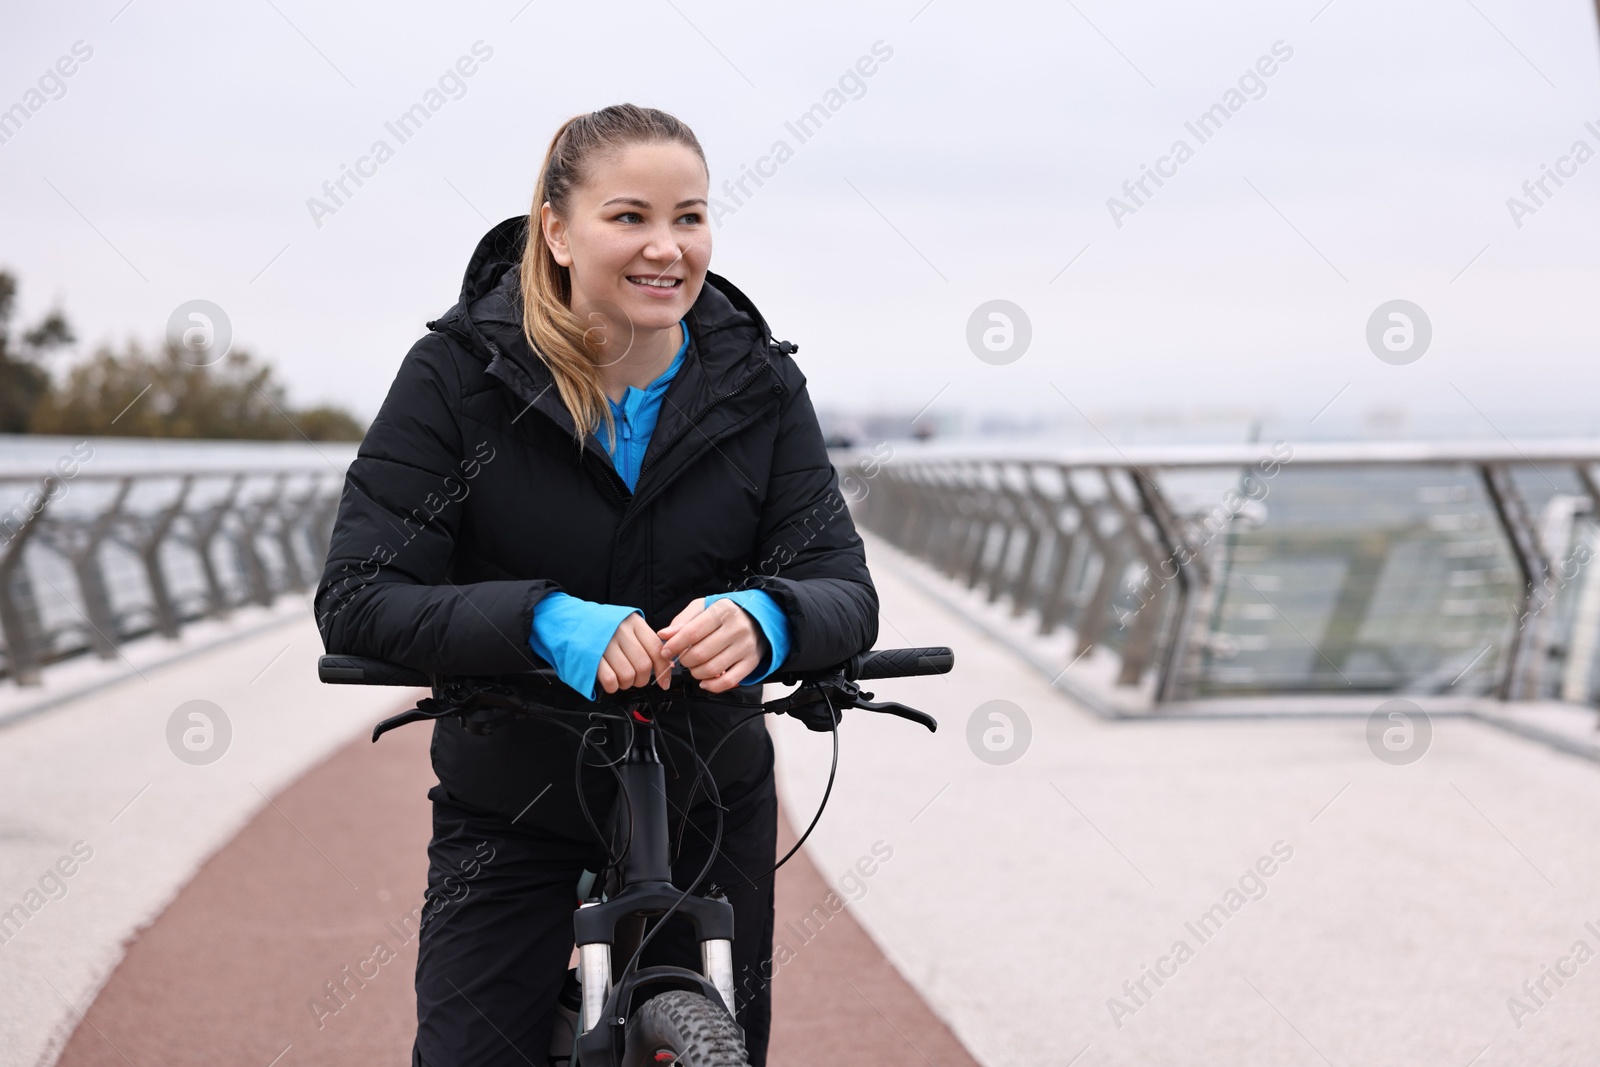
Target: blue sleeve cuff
(571, 635)
(774, 626)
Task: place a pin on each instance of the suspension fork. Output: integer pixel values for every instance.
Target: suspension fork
(641, 823)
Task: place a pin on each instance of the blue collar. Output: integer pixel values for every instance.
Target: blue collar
(628, 406)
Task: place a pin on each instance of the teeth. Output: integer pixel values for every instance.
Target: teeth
(664, 283)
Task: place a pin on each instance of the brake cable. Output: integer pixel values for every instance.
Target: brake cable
(706, 773)
(711, 859)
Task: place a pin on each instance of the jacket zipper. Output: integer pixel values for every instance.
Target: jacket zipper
(611, 477)
(681, 434)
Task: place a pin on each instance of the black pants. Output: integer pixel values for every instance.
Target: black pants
(497, 934)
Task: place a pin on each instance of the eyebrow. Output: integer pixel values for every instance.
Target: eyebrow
(636, 202)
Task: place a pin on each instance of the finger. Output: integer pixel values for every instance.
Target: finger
(661, 661)
(732, 668)
(657, 662)
(718, 661)
(735, 652)
(632, 646)
(656, 637)
(730, 679)
(617, 656)
(703, 651)
(734, 624)
(690, 610)
(697, 629)
(606, 677)
(618, 662)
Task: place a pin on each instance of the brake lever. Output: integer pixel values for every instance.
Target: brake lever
(904, 711)
(411, 715)
(479, 718)
(840, 695)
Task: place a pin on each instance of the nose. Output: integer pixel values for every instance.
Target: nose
(663, 244)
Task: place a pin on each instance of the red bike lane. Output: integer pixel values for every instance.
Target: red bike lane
(294, 945)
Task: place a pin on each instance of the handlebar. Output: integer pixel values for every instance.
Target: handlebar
(864, 666)
(359, 670)
(833, 688)
(898, 663)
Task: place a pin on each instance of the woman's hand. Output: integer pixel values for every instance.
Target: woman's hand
(633, 653)
(719, 645)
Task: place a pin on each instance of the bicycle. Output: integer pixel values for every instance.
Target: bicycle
(647, 1015)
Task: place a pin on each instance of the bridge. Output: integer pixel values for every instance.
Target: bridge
(1265, 754)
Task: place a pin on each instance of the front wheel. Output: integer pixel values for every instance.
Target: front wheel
(683, 1028)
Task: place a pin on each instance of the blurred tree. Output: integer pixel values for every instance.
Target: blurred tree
(161, 394)
(24, 382)
(328, 423)
(139, 394)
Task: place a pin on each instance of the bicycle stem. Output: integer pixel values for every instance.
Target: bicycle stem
(643, 776)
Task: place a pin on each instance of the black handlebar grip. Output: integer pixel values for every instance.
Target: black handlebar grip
(359, 670)
(902, 663)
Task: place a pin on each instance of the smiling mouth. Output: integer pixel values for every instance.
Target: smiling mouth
(655, 282)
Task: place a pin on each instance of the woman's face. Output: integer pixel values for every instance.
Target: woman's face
(638, 218)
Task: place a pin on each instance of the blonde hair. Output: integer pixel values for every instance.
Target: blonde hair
(553, 330)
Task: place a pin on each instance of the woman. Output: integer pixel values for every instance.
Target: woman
(599, 460)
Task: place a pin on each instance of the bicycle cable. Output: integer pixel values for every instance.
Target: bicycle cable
(714, 794)
(711, 859)
(583, 802)
(833, 770)
(686, 821)
(702, 775)
(553, 715)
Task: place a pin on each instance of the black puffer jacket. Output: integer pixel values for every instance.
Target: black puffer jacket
(469, 500)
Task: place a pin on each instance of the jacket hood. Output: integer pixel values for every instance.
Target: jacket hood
(723, 321)
(730, 347)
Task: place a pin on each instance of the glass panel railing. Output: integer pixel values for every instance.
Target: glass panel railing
(1454, 570)
(1364, 580)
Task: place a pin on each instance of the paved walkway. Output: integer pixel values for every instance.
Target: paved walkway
(96, 778)
(334, 867)
(1226, 892)
(1417, 900)
(237, 908)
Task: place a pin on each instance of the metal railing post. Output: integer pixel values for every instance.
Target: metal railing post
(1054, 595)
(1523, 669)
(1024, 584)
(256, 577)
(322, 521)
(1091, 618)
(1138, 648)
(166, 611)
(86, 563)
(204, 534)
(109, 596)
(292, 519)
(19, 619)
(1193, 577)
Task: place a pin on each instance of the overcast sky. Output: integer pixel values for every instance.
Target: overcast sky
(975, 163)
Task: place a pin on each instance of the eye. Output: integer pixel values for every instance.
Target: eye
(692, 216)
(627, 214)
